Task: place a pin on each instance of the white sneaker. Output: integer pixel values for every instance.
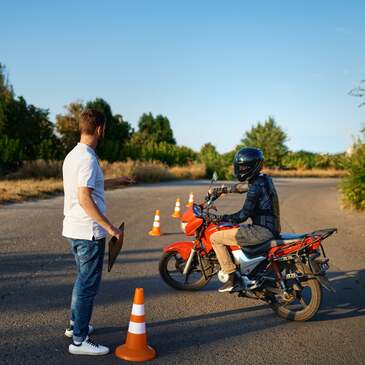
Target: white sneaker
(88, 347)
(69, 332)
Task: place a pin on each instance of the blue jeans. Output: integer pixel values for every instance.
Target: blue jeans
(89, 255)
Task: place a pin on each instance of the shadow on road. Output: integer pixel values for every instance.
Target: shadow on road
(348, 300)
(172, 336)
(32, 276)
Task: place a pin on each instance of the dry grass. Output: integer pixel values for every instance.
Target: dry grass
(33, 180)
(190, 172)
(39, 169)
(306, 173)
(152, 172)
(18, 190)
(117, 169)
(139, 171)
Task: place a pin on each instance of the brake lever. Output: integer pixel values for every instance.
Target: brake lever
(214, 208)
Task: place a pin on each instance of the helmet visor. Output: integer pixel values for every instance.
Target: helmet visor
(243, 169)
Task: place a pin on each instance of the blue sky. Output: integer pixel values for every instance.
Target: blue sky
(213, 67)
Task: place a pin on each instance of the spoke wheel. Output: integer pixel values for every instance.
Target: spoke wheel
(303, 303)
(171, 269)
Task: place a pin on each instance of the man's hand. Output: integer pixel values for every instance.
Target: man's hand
(117, 181)
(125, 180)
(114, 231)
(215, 193)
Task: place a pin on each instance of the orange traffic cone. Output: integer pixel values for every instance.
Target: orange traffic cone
(135, 347)
(156, 231)
(191, 200)
(176, 213)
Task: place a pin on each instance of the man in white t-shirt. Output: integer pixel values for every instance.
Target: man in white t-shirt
(85, 226)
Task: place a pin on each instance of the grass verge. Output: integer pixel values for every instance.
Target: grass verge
(306, 173)
(19, 190)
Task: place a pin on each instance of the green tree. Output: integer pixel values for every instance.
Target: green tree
(10, 154)
(26, 132)
(117, 131)
(270, 138)
(153, 129)
(6, 90)
(25, 123)
(67, 125)
(213, 161)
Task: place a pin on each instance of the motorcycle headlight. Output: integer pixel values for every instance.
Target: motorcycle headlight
(183, 226)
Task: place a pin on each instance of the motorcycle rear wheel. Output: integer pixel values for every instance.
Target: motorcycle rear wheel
(308, 307)
(171, 269)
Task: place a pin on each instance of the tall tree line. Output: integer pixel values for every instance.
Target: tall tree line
(26, 133)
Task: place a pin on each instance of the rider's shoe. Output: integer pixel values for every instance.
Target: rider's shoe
(230, 284)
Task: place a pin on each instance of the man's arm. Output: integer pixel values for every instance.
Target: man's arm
(91, 209)
(239, 188)
(117, 181)
(247, 209)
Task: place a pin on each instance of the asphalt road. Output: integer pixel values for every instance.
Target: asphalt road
(206, 327)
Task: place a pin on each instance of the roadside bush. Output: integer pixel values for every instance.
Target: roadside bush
(38, 169)
(330, 161)
(299, 160)
(353, 185)
(304, 160)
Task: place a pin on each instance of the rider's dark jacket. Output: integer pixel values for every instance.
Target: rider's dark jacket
(261, 204)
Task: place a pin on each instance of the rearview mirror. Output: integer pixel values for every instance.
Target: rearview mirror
(215, 176)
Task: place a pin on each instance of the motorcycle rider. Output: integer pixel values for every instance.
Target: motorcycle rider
(261, 205)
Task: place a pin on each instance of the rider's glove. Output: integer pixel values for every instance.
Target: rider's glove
(214, 218)
(217, 192)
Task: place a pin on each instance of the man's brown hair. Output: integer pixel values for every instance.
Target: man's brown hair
(90, 120)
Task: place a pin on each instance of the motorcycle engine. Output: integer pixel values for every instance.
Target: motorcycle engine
(223, 277)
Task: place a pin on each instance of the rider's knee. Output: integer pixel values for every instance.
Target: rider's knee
(216, 238)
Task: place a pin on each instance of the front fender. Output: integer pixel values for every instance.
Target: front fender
(183, 248)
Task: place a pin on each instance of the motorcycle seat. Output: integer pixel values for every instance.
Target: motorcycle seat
(262, 248)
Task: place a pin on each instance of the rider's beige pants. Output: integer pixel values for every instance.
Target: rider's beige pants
(243, 236)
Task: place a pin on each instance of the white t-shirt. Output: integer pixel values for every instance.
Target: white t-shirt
(81, 169)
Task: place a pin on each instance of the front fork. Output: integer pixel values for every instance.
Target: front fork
(188, 263)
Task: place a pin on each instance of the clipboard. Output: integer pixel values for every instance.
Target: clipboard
(115, 246)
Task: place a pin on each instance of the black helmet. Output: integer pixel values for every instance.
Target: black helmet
(248, 163)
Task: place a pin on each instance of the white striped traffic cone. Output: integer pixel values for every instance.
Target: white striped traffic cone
(191, 200)
(177, 213)
(136, 347)
(156, 231)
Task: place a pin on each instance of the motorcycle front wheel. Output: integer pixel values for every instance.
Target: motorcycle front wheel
(171, 269)
(304, 303)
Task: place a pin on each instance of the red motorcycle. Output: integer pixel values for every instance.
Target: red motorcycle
(288, 273)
